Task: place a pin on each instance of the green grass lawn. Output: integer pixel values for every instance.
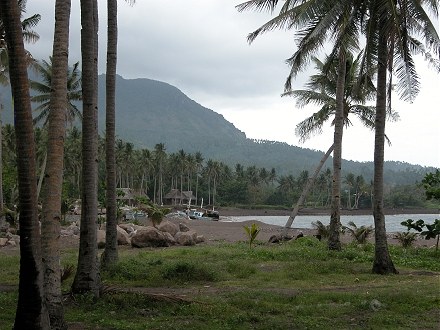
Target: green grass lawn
(296, 285)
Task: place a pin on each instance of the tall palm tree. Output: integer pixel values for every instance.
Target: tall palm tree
(110, 254)
(199, 166)
(393, 28)
(87, 277)
(45, 90)
(31, 307)
(159, 163)
(29, 35)
(59, 98)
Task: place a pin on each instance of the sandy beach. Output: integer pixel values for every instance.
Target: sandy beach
(226, 231)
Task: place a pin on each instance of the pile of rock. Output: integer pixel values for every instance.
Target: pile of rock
(166, 234)
(8, 235)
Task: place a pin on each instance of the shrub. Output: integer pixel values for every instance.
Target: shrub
(406, 239)
(360, 234)
(322, 230)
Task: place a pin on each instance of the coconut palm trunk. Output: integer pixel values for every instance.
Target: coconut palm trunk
(87, 277)
(305, 191)
(1, 166)
(382, 260)
(52, 186)
(31, 307)
(334, 242)
(110, 254)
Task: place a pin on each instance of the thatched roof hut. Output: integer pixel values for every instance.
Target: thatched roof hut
(175, 196)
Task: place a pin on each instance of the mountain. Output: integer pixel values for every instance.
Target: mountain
(151, 112)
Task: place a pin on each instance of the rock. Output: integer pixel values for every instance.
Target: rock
(168, 227)
(279, 238)
(11, 243)
(4, 225)
(200, 239)
(129, 228)
(3, 241)
(375, 305)
(101, 238)
(149, 237)
(74, 228)
(183, 227)
(122, 236)
(186, 237)
(171, 240)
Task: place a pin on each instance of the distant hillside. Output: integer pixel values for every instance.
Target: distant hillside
(151, 112)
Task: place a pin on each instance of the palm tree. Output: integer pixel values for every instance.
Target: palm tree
(31, 307)
(87, 277)
(72, 159)
(199, 165)
(44, 90)
(29, 35)
(110, 254)
(159, 164)
(390, 44)
(349, 180)
(59, 98)
(318, 21)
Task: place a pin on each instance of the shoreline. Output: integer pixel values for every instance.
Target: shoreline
(237, 212)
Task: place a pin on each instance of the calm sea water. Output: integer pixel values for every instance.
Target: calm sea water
(392, 222)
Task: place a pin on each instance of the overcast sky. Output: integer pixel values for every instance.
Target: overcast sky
(200, 47)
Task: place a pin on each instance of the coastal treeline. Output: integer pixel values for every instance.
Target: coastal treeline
(156, 172)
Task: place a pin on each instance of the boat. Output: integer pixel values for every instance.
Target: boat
(201, 215)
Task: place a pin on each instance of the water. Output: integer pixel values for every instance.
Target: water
(392, 222)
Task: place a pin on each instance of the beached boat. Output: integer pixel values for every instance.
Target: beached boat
(202, 215)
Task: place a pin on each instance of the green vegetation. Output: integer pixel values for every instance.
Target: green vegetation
(299, 284)
(252, 232)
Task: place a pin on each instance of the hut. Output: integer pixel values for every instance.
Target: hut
(177, 197)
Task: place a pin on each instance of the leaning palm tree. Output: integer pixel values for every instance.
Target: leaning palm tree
(58, 102)
(318, 21)
(31, 307)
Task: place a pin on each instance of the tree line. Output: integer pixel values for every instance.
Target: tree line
(216, 182)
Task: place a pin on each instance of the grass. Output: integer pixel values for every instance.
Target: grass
(296, 285)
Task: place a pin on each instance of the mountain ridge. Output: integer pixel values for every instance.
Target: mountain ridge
(149, 112)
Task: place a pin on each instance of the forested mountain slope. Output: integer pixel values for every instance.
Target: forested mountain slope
(151, 112)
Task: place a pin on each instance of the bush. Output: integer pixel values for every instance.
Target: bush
(360, 234)
(406, 239)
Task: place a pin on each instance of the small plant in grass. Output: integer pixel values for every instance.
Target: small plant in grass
(252, 233)
(360, 234)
